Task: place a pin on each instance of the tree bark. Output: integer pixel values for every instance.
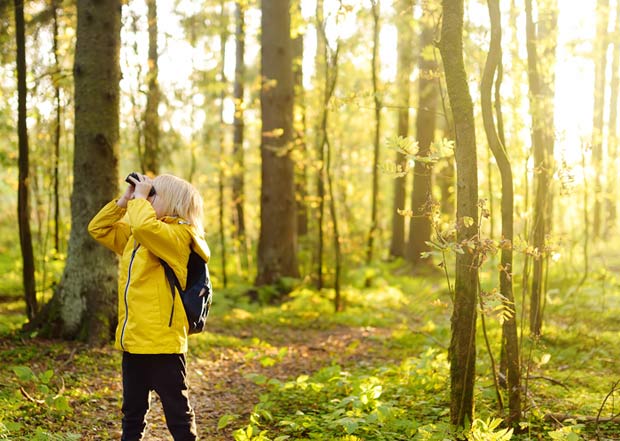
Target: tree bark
(404, 22)
(463, 339)
(84, 305)
(510, 342)
(222, 152)
(600, 66)
(23, 197)
(57, 131)
(321, 51)
(540, 95)
(151, 116)
(277, 248)
(420, 223)
(377, 138)
(238, 182)
(299, 128)
(612, 143)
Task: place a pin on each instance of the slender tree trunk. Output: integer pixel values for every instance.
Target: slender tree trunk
(23, 197)
(598, 122)
(320, 140)
(299, 128)
(151, 116)
(330, 76)
(540, 171)
(57, 132)
(377, 138)
(421, 195)
(463, 340)
(612, 143)
(238, 182)
(510, 342)
(277, 248)
(222, 131)
(404, 22)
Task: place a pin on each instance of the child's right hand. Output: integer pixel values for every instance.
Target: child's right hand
(122, 202)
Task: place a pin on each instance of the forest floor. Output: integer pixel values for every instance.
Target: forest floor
(57, 390)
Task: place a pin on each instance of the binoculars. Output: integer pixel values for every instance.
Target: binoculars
(136, 176)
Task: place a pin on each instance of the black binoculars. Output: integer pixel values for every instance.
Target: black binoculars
(137, 178)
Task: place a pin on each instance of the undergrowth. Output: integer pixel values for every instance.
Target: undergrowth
(391, 382)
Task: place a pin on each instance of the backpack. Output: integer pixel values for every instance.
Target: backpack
(198, 292)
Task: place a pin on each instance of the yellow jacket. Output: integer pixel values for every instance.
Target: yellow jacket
(144, 297)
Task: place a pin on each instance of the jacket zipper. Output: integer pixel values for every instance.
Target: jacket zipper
(133, 254)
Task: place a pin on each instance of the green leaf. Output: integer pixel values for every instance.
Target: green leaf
(225, 420)
(24, 373)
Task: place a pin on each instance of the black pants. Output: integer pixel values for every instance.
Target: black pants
(166, 375)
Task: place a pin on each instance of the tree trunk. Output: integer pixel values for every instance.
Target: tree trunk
(299, 128)
(463, 340)
(277, 247)
(510, 342)
(612, 143)
(84, 305)
(598, 122)
(320, 58)
(151, 116)
(23, 197)
(404, 22)
(57, 131)
(420, 223)
(222, 152)
(377, 138)
(542, 136)
(238, 184)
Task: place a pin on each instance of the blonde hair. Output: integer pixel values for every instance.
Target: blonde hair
(180, 198)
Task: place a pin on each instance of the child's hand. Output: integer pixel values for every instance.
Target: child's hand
(129, 192)
(143, 187)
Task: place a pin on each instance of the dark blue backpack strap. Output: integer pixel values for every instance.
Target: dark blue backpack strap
(172, 281)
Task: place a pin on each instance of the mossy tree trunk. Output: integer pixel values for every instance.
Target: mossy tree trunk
(84, 305)
(463, 339)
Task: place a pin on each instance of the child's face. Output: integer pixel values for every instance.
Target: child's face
(156, 202)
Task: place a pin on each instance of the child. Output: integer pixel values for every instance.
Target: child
(153, 219)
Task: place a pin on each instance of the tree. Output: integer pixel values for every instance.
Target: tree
(220, 178)
(463, 339)
(23, 198)
(238, 182)
(319, 63)
(277, 246)
(377, 138)
(299, 124)
(404, 21)
(613, 126)
(541, 105)
(84, 304)
(510, 342)
(598, 121)
(57, 128)
(151, 156)
(420, 224)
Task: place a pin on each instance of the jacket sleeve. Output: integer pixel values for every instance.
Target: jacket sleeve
(108, 229)
(168, 241)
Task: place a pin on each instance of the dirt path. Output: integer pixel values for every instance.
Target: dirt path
(219, 385)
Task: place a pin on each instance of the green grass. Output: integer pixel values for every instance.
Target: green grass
(390, 381)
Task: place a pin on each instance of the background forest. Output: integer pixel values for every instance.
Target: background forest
(410, 207)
